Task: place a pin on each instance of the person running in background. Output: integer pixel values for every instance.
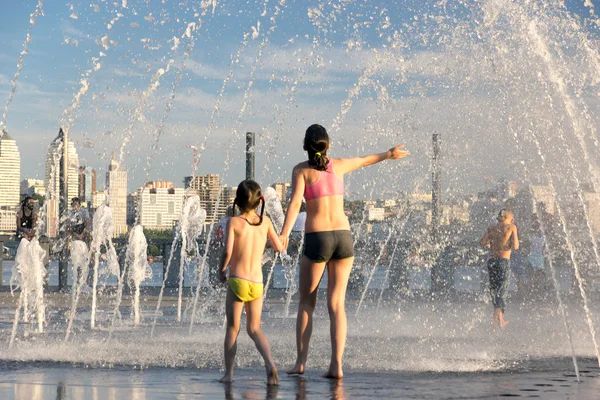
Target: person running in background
(26, 219)
(245, 241)
(327, 240)
(536, 256)
(501, 238)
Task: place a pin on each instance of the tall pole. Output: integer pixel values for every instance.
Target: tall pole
(250, 155)
(435, 187)
(63, 209)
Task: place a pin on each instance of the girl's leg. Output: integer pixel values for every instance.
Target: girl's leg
(253, 313)
(310, 276)
(338, 274)
(233, 309)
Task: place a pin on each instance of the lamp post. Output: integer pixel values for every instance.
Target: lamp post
(435, 188)
(250, 136)
(63, 209)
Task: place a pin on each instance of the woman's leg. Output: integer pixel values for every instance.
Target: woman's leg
(253, 313)
(233, 309)
(338, 274)
(310, 276)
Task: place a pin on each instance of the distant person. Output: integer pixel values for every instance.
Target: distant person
(79, 222)
(535, 259)
(26, 219)
(518, 266)
(501, 238)
(327, 240)
(246, 238)
(79, 228)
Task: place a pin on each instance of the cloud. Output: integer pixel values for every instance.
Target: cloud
(68, 29)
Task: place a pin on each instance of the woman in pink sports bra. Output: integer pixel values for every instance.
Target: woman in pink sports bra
(320, 180)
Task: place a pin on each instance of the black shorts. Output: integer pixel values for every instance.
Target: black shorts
(328, 245)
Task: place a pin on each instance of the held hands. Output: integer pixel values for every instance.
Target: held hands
(397, 152)
(284, 240)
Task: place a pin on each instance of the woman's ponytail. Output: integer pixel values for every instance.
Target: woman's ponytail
(318, 160)
(316, 144)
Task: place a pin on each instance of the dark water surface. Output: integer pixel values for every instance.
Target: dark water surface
(61, 382)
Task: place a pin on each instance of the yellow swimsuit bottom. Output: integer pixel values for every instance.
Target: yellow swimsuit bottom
(245, 290)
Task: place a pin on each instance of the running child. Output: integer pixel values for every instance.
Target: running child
(246, 238)
(501, 238)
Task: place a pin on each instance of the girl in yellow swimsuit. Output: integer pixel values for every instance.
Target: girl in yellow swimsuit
(246, 239)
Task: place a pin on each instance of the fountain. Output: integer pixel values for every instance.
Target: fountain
(512, 87)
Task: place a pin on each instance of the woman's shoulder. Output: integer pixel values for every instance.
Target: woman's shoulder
(302, 165)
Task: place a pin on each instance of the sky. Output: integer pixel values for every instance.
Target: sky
(511, 87)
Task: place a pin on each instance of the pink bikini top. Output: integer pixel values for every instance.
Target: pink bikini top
(327, 184)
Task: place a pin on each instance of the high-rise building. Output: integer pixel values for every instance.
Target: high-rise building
(31, 186)
(53, 171)
(208, 188)
(87, 185)
(98, 198)
(160, 208)
(132, 201)
(10, 175)
(116, 186)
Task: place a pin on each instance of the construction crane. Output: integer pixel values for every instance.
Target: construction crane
(195, 149)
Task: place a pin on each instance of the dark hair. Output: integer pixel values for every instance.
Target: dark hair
(316, 143)
(75, 200)
(26, 200)
(503, 214)
(248, 197)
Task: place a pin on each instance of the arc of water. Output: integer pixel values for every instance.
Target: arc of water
(235, 60)
(387, 272)
(68, 117)
(376, 263)
(102, 234)
(290, 268)
(375, 266)
(138, 115)
(293, 89)
(561, 306)
(213, 117)
(542, 50)
(13, 83)
(162, 288)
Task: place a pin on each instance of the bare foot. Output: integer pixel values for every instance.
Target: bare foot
(272, 376)
(226, 379)
(298, 369)
(333, 372)
(503, 323)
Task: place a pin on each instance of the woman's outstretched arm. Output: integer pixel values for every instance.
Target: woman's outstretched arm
(345, 165)
(294, 206)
